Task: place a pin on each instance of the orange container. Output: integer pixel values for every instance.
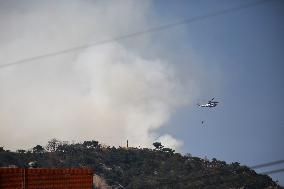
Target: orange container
(44, 178)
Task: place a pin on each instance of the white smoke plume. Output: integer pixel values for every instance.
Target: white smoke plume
(110, 92)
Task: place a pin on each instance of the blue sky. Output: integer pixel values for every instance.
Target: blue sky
(245, 51)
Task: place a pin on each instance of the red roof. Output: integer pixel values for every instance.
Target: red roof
(54, 178)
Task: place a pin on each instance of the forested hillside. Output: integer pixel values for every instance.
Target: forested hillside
(139, 168)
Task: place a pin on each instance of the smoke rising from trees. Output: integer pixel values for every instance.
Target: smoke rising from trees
(111, 92)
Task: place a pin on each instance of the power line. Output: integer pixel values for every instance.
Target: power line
(273, 171)
(139, 33)
(204, 176)
(267, 164)
(232, 179)
(253, 167)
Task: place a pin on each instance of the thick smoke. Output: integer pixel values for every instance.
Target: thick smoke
(110, 92)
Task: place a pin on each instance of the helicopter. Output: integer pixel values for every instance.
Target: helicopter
(210, 104)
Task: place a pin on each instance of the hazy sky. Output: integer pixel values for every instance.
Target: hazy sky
(145, 88)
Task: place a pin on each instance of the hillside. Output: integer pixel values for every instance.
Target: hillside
(139, 168)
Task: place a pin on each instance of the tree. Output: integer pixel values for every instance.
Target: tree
(53, 144)
(91, 144)
(158, 145)
(38, 149)
(20, 151)
(168, 150)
